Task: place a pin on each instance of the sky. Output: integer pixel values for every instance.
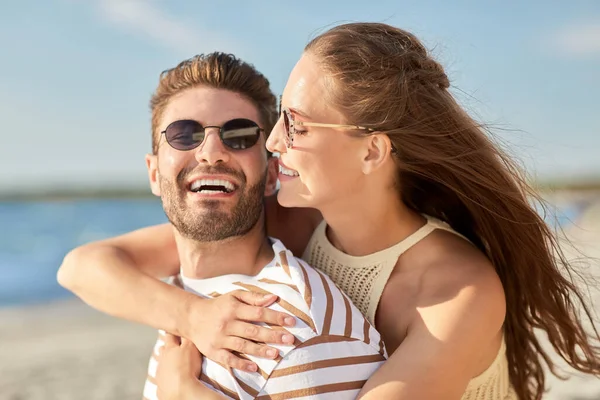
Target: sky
(76, 75)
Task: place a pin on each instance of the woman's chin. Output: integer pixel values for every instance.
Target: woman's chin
(287, 199)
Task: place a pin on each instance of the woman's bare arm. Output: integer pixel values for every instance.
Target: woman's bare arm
(118, 276)
(459, 315)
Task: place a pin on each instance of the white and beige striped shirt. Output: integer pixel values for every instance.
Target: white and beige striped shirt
(336, 349)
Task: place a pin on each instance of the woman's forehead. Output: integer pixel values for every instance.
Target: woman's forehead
(305, 91)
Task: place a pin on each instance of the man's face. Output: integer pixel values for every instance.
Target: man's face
(211, 192)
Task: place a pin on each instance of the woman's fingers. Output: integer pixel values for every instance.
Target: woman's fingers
(244, 346)
(254, 298)
(228, 359)
(261, 314)
(258, 333)
(171, 340)
(190, 347)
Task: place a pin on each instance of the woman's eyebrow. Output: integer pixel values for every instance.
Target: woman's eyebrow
(293, 109)
(299, 112)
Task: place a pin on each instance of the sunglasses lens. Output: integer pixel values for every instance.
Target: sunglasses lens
(240, 134)
(288, 127)
(286, 122)
(184, 134)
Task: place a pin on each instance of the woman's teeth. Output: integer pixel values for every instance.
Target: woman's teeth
(287, 172)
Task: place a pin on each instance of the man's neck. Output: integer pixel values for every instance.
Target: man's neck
(245, 255)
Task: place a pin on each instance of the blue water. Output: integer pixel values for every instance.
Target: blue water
(35, 236)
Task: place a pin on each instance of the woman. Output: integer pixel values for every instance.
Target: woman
(370, 136)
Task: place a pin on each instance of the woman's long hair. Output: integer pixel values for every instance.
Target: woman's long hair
(382, 77)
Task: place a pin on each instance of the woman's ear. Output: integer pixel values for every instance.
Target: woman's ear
(378, 150)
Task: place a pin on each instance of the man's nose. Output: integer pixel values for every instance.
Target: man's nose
(212, 150)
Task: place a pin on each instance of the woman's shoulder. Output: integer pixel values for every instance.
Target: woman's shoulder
(451, 278)
(455, 264)
(454, 312)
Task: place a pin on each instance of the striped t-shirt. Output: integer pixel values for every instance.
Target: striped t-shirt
(335, 351)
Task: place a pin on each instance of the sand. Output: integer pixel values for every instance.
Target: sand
(585, 238)
(66, 350)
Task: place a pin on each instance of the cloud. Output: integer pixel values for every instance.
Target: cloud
(581, 39)
(145, 18)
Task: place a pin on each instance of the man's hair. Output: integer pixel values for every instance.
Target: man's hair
(219, 71)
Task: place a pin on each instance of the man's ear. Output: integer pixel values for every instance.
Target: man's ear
(377, 151)
(153, 174)
(272, 176)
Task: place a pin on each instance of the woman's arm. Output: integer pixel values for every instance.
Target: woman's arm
(458, 318)
(118, 276)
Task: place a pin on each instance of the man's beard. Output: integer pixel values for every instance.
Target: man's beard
(206, 222)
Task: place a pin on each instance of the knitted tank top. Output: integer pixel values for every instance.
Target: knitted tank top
(363, 279)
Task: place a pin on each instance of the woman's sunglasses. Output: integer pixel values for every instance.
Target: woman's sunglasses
(290, 124)
(237, 134)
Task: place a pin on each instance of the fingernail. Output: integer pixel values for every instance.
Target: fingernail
(271, 352)
(290, 321)
(288, 338)
(268, 296)
(251, 368)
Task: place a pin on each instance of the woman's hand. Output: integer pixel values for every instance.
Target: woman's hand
(179, 367)
(221, 325)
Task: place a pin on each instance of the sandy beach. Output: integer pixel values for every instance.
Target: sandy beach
(66, 350)
(584, 235)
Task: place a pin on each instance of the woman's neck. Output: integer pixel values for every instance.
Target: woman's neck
(364, 224)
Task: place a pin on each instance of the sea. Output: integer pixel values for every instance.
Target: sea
(36, 235)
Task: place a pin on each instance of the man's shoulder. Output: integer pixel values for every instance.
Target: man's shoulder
(333, 314)
(339, 339)
(319, 306)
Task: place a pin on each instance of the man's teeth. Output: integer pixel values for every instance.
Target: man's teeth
(288, 172)
(204, 191)
(211, 186)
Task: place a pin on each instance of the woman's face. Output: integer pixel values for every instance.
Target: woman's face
(324, 164)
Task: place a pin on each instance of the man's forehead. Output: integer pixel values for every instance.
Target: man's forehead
(209, 106)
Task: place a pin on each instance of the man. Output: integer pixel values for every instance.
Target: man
(210, 118)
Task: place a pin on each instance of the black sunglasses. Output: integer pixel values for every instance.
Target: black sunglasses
(237, 134)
